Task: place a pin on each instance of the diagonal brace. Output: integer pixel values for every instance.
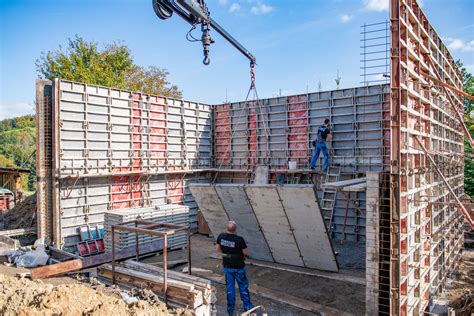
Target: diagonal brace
(458, 202)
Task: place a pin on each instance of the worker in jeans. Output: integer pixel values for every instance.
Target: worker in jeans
(234, 251)
(324, 133)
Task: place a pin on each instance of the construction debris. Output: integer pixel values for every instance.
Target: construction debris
(25, 297)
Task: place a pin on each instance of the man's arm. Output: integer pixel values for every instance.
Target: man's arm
(245, 252)
(218, 248)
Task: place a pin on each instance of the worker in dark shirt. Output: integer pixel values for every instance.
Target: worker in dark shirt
(324, 133)
(234, 251)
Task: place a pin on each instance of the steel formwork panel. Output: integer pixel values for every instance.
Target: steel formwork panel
(113, 149)
(426, 238)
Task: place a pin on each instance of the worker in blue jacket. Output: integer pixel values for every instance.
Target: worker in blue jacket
(324, 133)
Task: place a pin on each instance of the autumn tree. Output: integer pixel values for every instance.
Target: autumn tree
(110, 66)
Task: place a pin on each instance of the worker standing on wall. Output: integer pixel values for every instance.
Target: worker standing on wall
(234, 251)
(324, 133)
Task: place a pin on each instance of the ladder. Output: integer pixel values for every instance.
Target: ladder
(328, 199)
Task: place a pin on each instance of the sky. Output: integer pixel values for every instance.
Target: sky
(298, 44)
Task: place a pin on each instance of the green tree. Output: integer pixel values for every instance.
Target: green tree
(468, 82)
(110, 66)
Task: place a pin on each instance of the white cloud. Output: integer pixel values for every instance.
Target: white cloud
(235, 7)
(16, 109)
(261, 9)
(376, 5)
(346, 18)
(458, 44)
(461, 45)
(223, 2)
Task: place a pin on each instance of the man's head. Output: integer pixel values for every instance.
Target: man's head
(326, 122)
(231, 227)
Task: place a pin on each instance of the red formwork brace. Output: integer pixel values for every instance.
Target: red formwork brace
(222, 134)
(136, 129)
(158, 138)
(298, 137)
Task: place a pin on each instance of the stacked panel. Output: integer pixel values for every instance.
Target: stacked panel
(168, 214)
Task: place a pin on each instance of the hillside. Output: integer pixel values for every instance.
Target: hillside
(18, 146)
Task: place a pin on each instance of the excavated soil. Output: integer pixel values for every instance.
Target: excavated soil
(26, 297)
(23, 215)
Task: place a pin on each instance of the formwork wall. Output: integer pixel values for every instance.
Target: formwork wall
(280, 130)
(115, 149)
(424, 228)
(276, 131)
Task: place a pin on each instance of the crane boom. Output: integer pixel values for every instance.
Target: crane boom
(196, 12)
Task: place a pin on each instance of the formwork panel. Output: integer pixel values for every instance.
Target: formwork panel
(428, 126)
(238, 208)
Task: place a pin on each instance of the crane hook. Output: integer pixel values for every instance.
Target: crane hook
(206, 60)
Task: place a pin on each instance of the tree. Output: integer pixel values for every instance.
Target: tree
(468, 82)
(111, 66)
(151, 80)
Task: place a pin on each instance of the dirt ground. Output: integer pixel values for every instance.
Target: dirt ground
(460, 286)
(344, 296)
(69, 297)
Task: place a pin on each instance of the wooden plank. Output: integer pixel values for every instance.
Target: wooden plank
(18, 232)
(200, 284)
(56, 269)
(285, 298)
(343, 183)
(238, 208)
(193, 299)
(309, 229)
(211, 207)
(267, 207)
(360, 187)
(149, 276)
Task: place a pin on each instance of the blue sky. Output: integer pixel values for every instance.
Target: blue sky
(297, 43)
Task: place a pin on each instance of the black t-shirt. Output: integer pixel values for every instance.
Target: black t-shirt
(324, 131)
(232, 246)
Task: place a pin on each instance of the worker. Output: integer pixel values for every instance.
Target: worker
(234, 251)
(324, 133)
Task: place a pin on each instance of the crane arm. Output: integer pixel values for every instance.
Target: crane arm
(196, 12)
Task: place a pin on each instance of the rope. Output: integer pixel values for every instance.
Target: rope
(241, 114)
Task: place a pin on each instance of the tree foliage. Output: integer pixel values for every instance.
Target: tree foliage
(110, 66)
(18, 147)
(468, 81)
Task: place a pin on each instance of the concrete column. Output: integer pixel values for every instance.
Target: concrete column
(372, 244)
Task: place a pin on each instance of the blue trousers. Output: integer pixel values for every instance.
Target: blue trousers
(320, 147)
(232, 275)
